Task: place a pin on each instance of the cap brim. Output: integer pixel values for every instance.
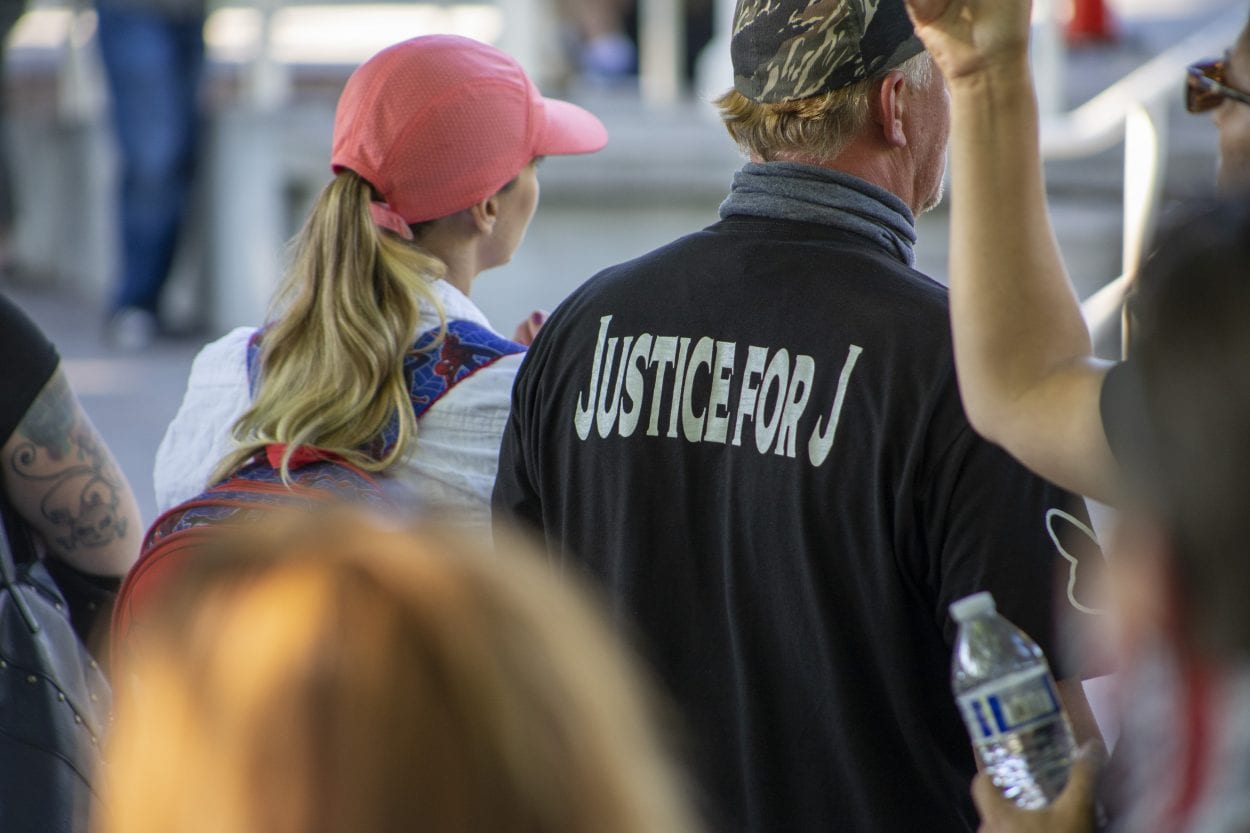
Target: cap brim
(570, 129)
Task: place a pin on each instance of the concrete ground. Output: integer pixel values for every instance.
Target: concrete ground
(663, 175)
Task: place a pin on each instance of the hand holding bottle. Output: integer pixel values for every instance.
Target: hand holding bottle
(1071, 812)
(1010, 704)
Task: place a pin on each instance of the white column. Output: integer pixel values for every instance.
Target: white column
(531, 35)
(714, 70)
(246, 205)
(661, 56)
(81, 92)
(267, 80)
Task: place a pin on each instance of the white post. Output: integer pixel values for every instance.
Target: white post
(268, 81)
(247, 234)
(714, 71)
(529, 34)
(662, 35)
(79, 188)
(1145, 155)
(80, 90)
(1145, 149)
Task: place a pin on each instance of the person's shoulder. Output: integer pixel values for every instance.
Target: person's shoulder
(10, 312)
(657, 262)
(623, 284)
(463, 367)
(920, 296)
(19, 329)
(237, 338)
(884, 273)
(815, 252)
(844, 274)
(223, 360)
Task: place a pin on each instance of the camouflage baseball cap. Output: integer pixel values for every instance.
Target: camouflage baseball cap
(785, 50)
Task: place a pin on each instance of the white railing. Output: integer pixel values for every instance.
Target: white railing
(661, 50)
(1134, 111)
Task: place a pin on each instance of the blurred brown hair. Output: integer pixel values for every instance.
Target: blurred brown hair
(1189, 461)
(344, 677)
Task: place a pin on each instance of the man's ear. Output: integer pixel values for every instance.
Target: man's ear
(484, 214)
(887, 108)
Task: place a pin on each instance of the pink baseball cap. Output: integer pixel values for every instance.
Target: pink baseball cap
(439, 123)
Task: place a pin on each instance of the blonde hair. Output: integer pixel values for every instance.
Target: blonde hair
(330, 373)
(819, 127)
(346, 678)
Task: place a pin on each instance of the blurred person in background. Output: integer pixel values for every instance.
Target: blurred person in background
(153, 54)
(752, 436)
(1165, 435)
(603, 51)
(603, 37)
(373, 351)
(70, 530)
(343, 676)
(60, 481)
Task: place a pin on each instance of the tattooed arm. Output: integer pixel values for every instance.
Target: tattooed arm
(62, 479)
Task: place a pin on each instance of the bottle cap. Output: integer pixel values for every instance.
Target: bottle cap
(970, 607)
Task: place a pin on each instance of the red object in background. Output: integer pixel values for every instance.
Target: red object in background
(1090, 21)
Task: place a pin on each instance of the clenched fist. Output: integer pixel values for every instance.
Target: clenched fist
(966, 37)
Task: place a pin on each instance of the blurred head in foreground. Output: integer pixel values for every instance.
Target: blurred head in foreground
(1178, 416)
(352, 678)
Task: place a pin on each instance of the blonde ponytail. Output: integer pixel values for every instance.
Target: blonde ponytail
(331, 364)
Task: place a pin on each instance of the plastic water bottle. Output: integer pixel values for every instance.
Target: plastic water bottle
(1009, 703)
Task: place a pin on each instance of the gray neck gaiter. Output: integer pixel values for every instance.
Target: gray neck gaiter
(811, 194)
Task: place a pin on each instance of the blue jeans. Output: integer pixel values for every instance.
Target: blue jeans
(153, 65)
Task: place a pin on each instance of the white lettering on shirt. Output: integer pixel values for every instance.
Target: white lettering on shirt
(692, 423)
(796, 404)
(678, 389)
(663, 356)
(774, 392)
(722, 373)
(634, 385)
(585, 413)
(766, 424)
(605, 411)
(822, 439)
(757, 359)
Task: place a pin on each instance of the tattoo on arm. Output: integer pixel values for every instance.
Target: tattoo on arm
(59, 457)
(49, 420)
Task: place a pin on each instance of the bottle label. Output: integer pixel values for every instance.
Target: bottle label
(1009, 704)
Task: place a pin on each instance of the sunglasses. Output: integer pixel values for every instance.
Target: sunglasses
(1206, 89)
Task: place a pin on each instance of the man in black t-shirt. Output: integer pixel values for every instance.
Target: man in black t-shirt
(752, 437)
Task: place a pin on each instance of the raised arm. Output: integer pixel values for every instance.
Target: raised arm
(1026, 365)
(61, 478)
